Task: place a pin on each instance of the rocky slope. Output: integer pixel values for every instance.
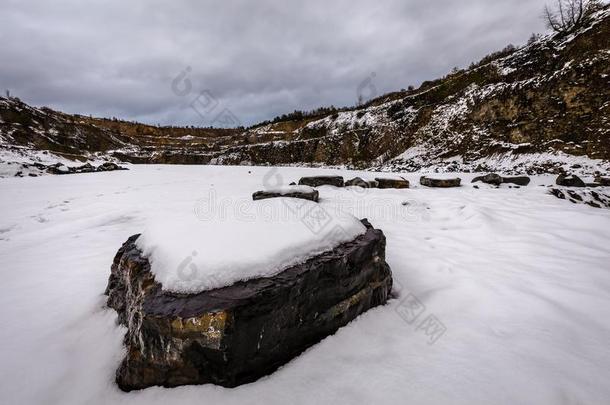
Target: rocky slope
(543, 107)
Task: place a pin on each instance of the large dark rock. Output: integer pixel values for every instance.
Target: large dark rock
(316, 181)
(570, 181)
(440, 183)
(237, 334)
(311, 195)
(392, 183)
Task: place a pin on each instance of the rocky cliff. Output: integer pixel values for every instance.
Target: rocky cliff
(536, 108)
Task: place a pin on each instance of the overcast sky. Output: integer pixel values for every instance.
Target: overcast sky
(256, 59)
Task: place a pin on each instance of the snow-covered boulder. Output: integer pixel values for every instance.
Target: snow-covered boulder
(303, 192)
(248, 313)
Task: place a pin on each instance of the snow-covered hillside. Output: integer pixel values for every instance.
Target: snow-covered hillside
(525, 109)
(502, 295)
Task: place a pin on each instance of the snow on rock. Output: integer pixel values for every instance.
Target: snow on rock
(188, 255)
(283, 190)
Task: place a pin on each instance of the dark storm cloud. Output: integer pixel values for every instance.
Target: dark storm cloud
(257, 58)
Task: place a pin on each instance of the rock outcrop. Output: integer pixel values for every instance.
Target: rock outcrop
(545, 103)
(439, 183)
(237, 334)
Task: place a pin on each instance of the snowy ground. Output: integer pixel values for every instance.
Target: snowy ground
(504, 294)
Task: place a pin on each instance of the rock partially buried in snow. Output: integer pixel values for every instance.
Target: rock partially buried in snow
(496, 179)
(570, 181)
(317, 181)
(440, 183)
(359, 182)
(604, 181)
(303, 192)
(239, 333)
(519, 180)
(392, 183)
(593, 198)
(491, 178)
(60, 168)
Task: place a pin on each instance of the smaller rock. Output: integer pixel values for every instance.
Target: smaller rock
(109, 166)
(359, 182)
(392, 183)
(58, 168)
(317, 181)
(302, 192)
(439, 183)
(558, 193)
(574, 195)
(604, 181)
(570, 181)
(86, 168)
(519, 180)
(496, 179)
(491, 178)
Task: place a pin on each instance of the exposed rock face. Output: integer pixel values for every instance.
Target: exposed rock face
(237, 334)
(312, 195)
(440, 183)
(392, 183)
(359, 182)
(317, 181)
(496, 179)
(549, 96)
(570, 181)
